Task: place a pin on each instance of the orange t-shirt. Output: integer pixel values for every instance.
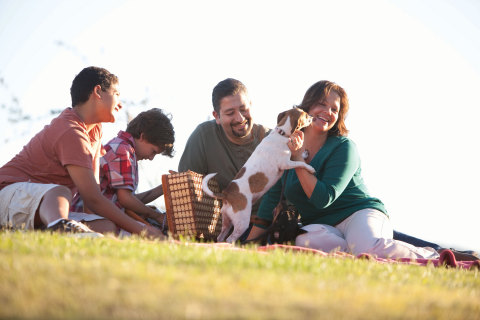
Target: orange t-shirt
(65, 141)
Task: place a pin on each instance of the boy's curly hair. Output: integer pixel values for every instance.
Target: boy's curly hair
(156, 127)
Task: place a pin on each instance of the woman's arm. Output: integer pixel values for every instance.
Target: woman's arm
(307, 179)
(255, 233)
(337, 172)
(270, 201)
(332, 175)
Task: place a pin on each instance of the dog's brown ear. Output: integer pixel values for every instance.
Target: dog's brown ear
(281, 118)
(299, 119)
(305, 118)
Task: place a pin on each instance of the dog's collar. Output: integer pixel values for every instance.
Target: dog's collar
(280, 131)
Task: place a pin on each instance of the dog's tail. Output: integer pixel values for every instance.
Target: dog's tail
(207, 190)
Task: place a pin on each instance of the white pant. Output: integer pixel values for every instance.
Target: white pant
(365, 231)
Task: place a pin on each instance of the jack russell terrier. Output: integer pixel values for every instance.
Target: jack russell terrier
(263, 169)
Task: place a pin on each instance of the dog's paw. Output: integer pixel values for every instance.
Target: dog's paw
(310, 169)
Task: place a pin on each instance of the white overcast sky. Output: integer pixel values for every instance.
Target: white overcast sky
(411, 69)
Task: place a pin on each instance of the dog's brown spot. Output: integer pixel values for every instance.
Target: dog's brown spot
(237, 200)
(257, 182)
(240, 173)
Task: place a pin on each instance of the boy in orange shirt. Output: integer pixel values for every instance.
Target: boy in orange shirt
(37, 185)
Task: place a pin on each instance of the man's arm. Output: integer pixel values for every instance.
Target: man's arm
(150, 195)
(87, 186)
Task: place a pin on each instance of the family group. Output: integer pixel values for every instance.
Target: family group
(65, 180)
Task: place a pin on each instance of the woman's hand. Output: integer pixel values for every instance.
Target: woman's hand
(307, 180)
(295, 144)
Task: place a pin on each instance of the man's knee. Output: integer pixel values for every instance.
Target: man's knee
(322, 239)
(370, 246)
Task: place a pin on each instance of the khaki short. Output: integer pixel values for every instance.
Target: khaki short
(19, 202)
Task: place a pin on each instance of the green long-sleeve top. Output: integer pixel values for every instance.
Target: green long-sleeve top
(339, 191)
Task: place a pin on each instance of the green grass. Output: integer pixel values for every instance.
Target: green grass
(45, 276)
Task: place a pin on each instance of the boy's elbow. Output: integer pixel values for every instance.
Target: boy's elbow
(123, 202)
(123, 195)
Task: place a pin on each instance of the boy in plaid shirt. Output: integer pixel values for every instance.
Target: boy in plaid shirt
(148, 134)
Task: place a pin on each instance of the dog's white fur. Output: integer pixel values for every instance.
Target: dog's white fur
(263, 169)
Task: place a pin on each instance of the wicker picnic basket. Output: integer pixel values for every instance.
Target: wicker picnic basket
(190, 212)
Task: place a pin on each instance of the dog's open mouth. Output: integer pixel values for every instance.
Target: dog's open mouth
(307, 121)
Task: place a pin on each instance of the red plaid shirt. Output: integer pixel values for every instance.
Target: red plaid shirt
(118, 169)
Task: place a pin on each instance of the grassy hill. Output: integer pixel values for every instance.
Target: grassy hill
(44, 276)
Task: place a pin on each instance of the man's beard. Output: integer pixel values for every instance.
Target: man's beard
(245, 133)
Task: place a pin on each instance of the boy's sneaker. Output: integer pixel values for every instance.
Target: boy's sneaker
(75, 228)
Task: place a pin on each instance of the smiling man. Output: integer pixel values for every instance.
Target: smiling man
(233, 114)
(224, 145)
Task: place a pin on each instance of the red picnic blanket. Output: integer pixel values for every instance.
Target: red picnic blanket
(446, 259)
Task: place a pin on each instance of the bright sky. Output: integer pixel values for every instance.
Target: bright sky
(411, 69)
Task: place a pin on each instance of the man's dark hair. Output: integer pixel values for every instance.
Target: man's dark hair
(157, 129)
(225, 88)
(86, 80)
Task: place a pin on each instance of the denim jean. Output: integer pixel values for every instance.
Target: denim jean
(414, 241)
